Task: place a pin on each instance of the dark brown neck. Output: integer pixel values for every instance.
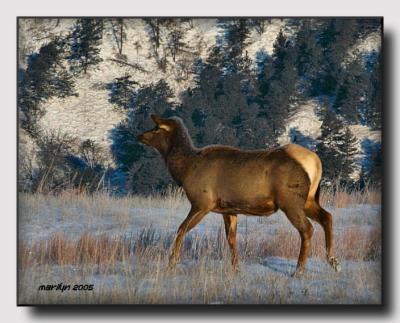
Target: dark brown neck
(178, 163)
(179, 156)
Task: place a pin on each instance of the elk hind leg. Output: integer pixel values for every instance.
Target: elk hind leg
(315, 212)
(297, 217)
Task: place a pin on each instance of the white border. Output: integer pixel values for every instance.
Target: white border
(12, 9)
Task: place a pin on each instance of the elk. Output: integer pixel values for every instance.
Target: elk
(231, 181)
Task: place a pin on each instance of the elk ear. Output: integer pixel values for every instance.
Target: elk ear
(165, 127)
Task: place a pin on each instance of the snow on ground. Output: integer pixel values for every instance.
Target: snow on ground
(268, 282)
(304, 121)
(204, 279)
(369, 44)
(50, 216)
(265, 41)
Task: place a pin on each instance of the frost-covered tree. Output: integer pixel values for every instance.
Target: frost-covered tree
(277, 85)
(336, 148)
(309, 52)
(235, 40)
(259, 24)
(371, 173)
(119, 34)
(122, 91)
(144, 171)
(175, 40)
(85, 40)
(347, 148)
(336, 39)
(44, 77)
(154, 31)
(373, 113)
(352, 91)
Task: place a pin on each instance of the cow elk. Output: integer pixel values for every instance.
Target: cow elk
(232, 181)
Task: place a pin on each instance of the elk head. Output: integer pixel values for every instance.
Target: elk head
(158, 137)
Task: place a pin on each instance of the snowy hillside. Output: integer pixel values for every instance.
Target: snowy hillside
(90, 115)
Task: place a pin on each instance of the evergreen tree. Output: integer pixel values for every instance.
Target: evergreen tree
(199, 105)
(308, 51)
(142, 166)
(154, 32)
(367, 25)
(347, 148)
(374, 98)
(175, 40)
(85, 40)
(371, 173)
(337, 36)
(351, 94)
(336, 148)
(122, 91)
(236, 36)
(277, 85)
(279, 55)
(326, 148)
(44, 77)
(259, 24)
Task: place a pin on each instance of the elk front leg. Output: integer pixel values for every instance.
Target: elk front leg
(194, 217)
(230, 221)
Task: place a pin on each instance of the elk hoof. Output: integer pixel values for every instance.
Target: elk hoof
(298, 273)
(172, 264)
(335, 264)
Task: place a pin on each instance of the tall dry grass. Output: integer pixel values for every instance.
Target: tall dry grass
(88, 249)
(339, 196)
(136, 268)
(132, 268)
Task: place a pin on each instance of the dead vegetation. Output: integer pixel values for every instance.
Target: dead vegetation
(130, 267)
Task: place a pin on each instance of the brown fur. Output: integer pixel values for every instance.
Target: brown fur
(231, 181)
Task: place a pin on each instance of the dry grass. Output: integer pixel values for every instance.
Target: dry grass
(106, 250)
(340, 197)
(122, 247)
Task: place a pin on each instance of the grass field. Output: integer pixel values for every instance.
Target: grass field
(120, 246)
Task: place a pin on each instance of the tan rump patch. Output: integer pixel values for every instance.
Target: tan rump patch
(310, 163)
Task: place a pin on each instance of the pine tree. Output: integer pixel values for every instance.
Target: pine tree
(351, 94)
(308, 51)
(154, 32)
(371, 173)
(236, 36)
(175, 40)
(122, 91)
(85, 40)
(259, 24)
(347, 148)
(44, 77)
(144, 170)
(153, 98)
(337, 36)
(277, 85)
(374, 99)
(280, 50)
(199, 105)
(336, 148)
